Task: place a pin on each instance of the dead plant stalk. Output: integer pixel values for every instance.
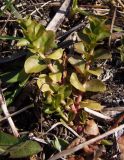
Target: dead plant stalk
(6, 113)
(91, 141)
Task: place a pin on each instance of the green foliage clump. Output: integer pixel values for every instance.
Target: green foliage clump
(57, 80)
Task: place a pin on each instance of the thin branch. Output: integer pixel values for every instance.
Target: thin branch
(112, 24)
(17, 112)
(37, 9)
(120, 2)
(66, 126)
(118, 108)
(77, 27)
(97, 114)
(91, 141)
(59, 16)
(6, 112)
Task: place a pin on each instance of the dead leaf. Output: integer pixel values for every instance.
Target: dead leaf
(121, 147)
(90, 149)
(91, 128)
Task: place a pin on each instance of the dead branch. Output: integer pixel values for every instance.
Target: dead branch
(6, 112)
(59, 16)
(91, 141)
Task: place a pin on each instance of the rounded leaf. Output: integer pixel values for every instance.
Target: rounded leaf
(34, 65)
(102, 54)
(25, 149)
(79, 47)
(56, 54)
(96, 71)
(55, 77)
(23, 42)
(76, 83)
(94, 85)
(91, 104)
(78, 64)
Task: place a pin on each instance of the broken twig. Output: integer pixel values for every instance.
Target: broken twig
(91, 141)
(59, 16)
(5, 111)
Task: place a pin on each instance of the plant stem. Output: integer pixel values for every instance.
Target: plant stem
(62, 114)
(13, 10)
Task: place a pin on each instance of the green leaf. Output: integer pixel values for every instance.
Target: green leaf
(91, 104)
(84, 116)
(76, 83)
(106, 142)
(34, 65)
(96, 71)
(38, 30)
(55, 77)
(23, 78)
(46, 87)
(56, 54)
(25, 149)
(71, 116)
(56, 144)
(41, 40)
(75, 9)
(74, 4)
(49, 82)
(32, 30)
(6, 141)
(78, 64)
(23, 42)
(10, 77)
(19, 77)
(102, 54)
(103, 34)
(65, 91)
(11, 95)
(45, 42)
(79, 47)
(94, 85)
(17, 147)
(59, 144)
(9, 38)
(117, 29)
(41, 80)
(49, 109)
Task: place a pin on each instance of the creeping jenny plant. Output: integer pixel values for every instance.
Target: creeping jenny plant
(63, 86)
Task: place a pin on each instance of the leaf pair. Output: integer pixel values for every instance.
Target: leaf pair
(17, 147)
(93, 85)
(35, 64)
(49, 82)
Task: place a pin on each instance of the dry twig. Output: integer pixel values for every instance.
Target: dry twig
(17, 112)
(97, 114)
(91, 141)
(112, 24)
(59, 17)
(5, 110)
(120, 2)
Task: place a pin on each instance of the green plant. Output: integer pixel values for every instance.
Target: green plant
(62, 86)
(17, 147)
(75, 9)
(59, 83)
